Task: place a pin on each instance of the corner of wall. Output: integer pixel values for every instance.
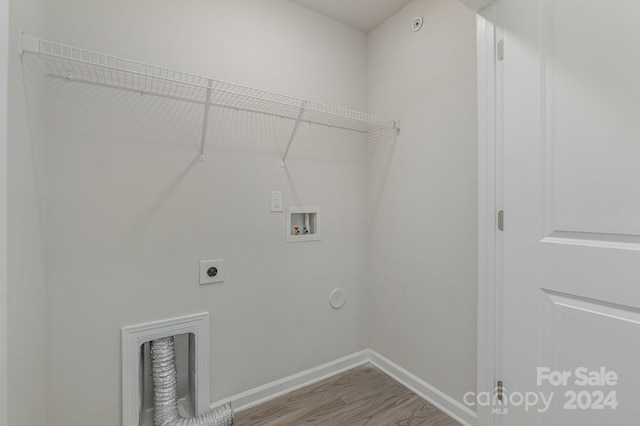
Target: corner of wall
(423, 266)
(26, 316)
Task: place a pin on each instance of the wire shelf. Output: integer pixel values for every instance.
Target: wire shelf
(76, 64)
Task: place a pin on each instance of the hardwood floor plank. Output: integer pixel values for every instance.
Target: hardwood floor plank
(363, 396)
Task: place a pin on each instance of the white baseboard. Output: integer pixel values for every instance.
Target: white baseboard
(272, 390)
(444, 402)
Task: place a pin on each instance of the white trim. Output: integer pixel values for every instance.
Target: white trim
(477, 5)
(135, 336)
(4, 106)
(489, 203)
(592, 239)
(444, 402)
(272, 390)
(269, 391)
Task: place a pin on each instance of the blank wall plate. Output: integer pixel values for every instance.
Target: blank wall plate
(211, 271)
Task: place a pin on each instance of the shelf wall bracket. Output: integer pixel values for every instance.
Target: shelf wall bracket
(207, 104)
(283, 164)
(27, 43)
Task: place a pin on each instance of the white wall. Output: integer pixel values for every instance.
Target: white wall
(423, 243)
(130, 211)
(27, 292)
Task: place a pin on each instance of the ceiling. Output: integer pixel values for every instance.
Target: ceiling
(363, 15)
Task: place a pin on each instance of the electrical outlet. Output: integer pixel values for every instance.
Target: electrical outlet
(211, 271)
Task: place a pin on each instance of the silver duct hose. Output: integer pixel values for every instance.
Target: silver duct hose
(165, 385)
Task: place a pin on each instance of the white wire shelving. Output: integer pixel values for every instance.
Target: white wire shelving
(76, 64)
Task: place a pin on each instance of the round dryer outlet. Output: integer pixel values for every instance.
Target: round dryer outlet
(337, 298)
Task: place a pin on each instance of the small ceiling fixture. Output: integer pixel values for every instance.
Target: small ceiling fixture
(416, 24)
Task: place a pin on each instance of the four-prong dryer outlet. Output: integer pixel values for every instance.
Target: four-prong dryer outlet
(211, 271)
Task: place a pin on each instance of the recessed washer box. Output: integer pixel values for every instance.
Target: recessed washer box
(303, 224)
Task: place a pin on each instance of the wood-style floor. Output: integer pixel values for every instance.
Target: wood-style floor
(363, 396)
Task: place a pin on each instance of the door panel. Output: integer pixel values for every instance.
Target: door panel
(593, 100)
(580, 336)
(571, 289)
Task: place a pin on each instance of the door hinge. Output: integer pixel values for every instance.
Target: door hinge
(501, 220)
(500, 50)
(499, 390)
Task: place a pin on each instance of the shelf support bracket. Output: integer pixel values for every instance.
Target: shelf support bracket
(207, 104)
(293, 135)
(27, 43)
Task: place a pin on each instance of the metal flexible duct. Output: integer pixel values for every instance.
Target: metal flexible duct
(165, 385)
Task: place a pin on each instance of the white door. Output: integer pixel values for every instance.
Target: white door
(571, 289)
